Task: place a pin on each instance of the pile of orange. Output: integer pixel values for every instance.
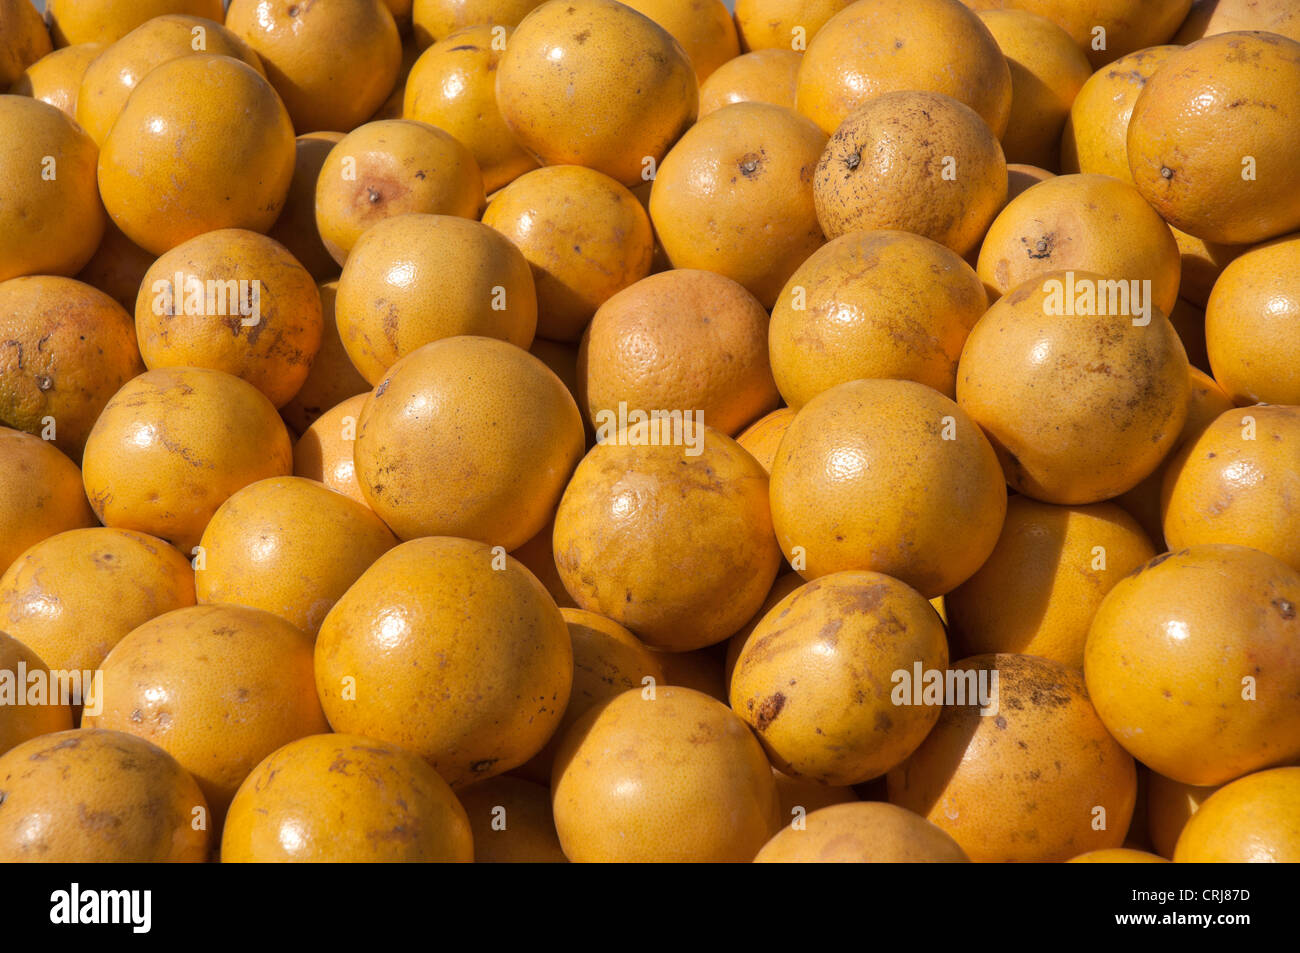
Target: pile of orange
(543, 430)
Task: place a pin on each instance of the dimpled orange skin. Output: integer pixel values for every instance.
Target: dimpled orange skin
(304, 47)
(390, 168)
(585, 236)
(435, 19)
(332, 379)
(173, 444)
(40, 494)
(1081, 223)
(1129, 25)
(1118, 855)
(266, 334)
(1170, 805)
(20, 723)
(874, 304)
(1208, 17)
(51, 218)
(624, 551)
(1238, 482)
(436, 650)
(881, 46)
(74, 596)
(704, 28)
(763, 76)
(1022, 784)
(203, 143)
(99, 797)
(290, 546)
(324, 452)
(684, 340)
(1252, 820)
(416, 279)
(1047, 71)
(217, 687)
(1078, 408)
(594, 83)
(772, 24)
(110, 79)
(1037, 593)
(56, 77)
(866, 832)
(675, 779)
(814, 677)
(763, 436)
(735, 196)
(1169, 651)
(512, 823)
(1210, 106)
(105, 21)
(25, 42)
(345, 799)
(117, 268)
(68, 348)
(470, 437)
(296, 229)
(917, 161)
(865, 478)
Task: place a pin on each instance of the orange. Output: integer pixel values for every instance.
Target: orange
(468, 436)
(1105, 29)
(390, 168)
(673, 778)
(1203, 262)
(67, 349)
(763, 76)
(1037, 780)
(99, 797)
(864, 833)
(104, 21)
(782, 586)
(1170, 805)
(51, 219)
(344, 798)
(75, 595)
(173, 444)
(512, 823)
(453, 86)
(25, 40)
(585, 236)
(874, 304)
(1189, 662)
(763, 436)
(1252, 820)
(332, 378)
(233, 170)
(1209, 17)
(438, 650)
(1117, 855)
(683, 341)
(594, 83)
(117, 268)
(324, 451)
(40, 494)
(20, 718)
(739, 173)
(1021, 177)
(888, 476)
(56, 77)
(704, 28)
(235, 301)
(1213, 133)
(783, 24)
(879, 46)
(296, 229)
(917, 161)
(435, 19)
(619, 545)
(416, 279)
(333, 62)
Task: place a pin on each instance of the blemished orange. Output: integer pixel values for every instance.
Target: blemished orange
(1105, 29)
(25, 39)
(105, 21)
(68, 348)
(512, 823)
(324, 452)
(866, 832)
(56, 77)
(344, 798)
(173, 444)
(917, 161)
(782, 586)
(1170, 805)
(615, 100)
(51, 217)
(236, 301)
(704, 28)
(302, 46)
(438, 650)
(683, 340)
(1176, 651)
(880, 46)
(89, 796)
(585, 237)
(1037, 593)
(884, 303)
(468, 436)
(1208, 17)
(333, 377)
(22, 722)
(296, 228)
(435, 19)
(417, 279)
(888, 476)
(117, 268)
(672, 778)
(1041, 744)
(1253, 820)
(763, 436)
(763, 76)
(40, 494)
(782, 24)
(75, 595)
(741, 172)
(231, 170)
(217, 687)
(620, 551)
(289, 546)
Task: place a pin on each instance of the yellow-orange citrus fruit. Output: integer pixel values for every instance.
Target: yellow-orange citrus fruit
(296, 229)
(117, 268)
(1105, 29)
(23, 39)
(512, 823)
(332, 379)
(763, 76)
(1208, 17)
(1254, 820)
(105, 21)
(40, 494)
(1118, 855)
(435, 19)
(1203, 262)
(704, 28)
(782, 24)
(21, 719)
(324, 452)
(1021, 177)
(782, 586)
(868, 832)
(763, 436)
(1170, 805)
(56, 77)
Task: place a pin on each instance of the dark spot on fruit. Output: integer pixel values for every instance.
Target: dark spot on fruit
(1000, 722)
(1166, 172)
(1285, 608)
(582, 37)
(768, 710)
(853, 160)
(383, 386)
(883, 721)
(478, 767)
(463, 46)
(44, 382)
